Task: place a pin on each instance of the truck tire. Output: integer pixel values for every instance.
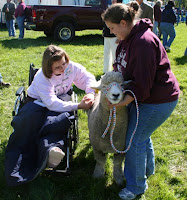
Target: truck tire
(64, 32)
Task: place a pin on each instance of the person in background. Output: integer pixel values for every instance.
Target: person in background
(146, 11)
(2, 83)
(157, 17)
(20, 18)
(41, 126)
(143, 61)
(110, 45)
(168, 19)
(185, 53)
(9, 10)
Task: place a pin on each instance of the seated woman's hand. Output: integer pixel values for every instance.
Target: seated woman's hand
(86, 102)
(89, 97)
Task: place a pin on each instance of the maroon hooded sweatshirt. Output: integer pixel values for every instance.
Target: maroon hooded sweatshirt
(143, 59)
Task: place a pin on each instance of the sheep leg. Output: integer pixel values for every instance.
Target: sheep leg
(117, 169)
(100, 158)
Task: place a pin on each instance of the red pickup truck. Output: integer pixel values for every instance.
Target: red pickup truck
(61, 22)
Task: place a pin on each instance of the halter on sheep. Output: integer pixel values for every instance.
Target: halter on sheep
(113, 112)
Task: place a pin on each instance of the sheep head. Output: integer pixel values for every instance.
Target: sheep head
(111, 87)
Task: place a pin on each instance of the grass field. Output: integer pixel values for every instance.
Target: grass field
(170, 140)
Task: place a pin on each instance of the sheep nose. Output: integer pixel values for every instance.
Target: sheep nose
(115, 95)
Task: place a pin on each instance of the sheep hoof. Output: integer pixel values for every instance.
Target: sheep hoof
(119, 182)
(119, 178)
(98, 173)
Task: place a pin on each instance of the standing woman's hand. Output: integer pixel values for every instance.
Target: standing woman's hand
(127, 99)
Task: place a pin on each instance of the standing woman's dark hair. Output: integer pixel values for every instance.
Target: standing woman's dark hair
(116, 12)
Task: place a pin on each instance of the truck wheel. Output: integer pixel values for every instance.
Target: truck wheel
(64, 32)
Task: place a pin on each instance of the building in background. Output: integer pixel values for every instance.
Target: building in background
(2, 15)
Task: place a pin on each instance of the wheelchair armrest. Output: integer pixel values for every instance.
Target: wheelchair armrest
(20, 91)
(20, 99)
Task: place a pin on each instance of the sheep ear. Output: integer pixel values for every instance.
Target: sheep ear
(97, 86)
(127, 82)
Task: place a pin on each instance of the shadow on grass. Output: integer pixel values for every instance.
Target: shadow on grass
(3, 27)
(87, 40)
(79, 185)
(181, 61)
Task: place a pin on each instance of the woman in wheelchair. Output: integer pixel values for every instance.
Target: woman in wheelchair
(41, 125)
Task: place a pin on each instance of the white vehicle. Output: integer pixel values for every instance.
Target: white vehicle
(41, 2)
(2, 15)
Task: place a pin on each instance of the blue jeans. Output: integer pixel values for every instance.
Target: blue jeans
(167, 30)
(20, 21)
(1, 78)
(139, 160)
(155, 28)
(11, 27)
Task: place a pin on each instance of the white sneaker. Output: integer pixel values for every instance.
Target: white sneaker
(167, 48)
(126, 194)
(55, 157)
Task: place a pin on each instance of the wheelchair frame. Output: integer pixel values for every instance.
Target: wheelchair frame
(72, 135)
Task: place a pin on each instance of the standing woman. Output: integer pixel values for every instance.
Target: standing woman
(168, 19)
(141, 58)
(157, 17)
(9, 10)
(20, 18)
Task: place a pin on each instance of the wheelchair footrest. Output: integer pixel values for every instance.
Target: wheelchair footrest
(51, 171)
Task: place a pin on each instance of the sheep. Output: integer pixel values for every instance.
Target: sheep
(98, 117)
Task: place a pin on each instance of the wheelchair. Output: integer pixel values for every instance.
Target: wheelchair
(72, 135)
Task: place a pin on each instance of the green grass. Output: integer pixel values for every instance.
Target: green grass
(170, 140)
